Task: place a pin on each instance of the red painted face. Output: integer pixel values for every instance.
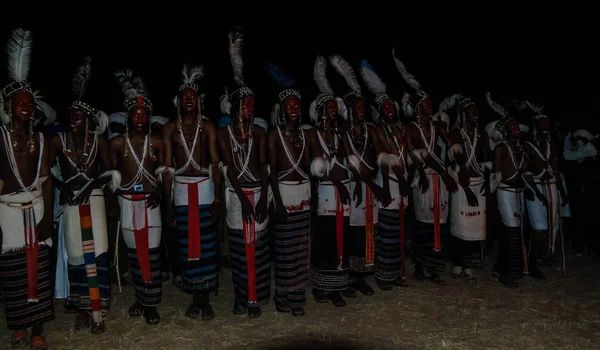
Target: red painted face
(138, 116)
(425, 107)
(388, 109)
(247, 108)
(331, 109)
(23, 106)
(291, 108)
(78, 119)
(471, 114)
(188, 100)
(513, 128)
(359, 109)
(543, 126)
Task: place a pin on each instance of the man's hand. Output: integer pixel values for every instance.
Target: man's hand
(44, 229)
(464, 178)
(217, 206)
(423, 183)
(565, 199)
(471, 197)
(357, 195)
(451, 184)
(261, 212)
(153, 201)
(84, 196)
(247, 209)
(542, 199)
(344, 195)
(280, 213)
(66, 195)
(170, 217)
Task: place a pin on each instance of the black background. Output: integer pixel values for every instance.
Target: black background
(548, 58)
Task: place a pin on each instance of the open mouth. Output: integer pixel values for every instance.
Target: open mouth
(189, 105)
(139, 126)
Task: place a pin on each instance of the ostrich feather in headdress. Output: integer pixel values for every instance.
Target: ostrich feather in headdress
(495, 105)
(191, 74)
(345, 70)
(521, 105)
(81, 78)
(125, 78)
(19, 54)
(450, 103)
(236, 49)
(47, 110)
(138, 84)
(279, 76)
(408, 78)
(374, 83)
(320, 75)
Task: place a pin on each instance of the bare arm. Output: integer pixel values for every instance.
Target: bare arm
(45, 231)
(214, 159)
(232, 173)
(53, 151)
(272, 139)
(168, 162)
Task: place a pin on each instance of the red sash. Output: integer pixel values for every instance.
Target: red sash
(250, 240)
(141, 240)
(339, 228)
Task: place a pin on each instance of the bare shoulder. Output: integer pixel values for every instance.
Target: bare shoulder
(209, 125)
(157, 141)
(169, 127)
(102, 141)
(117, 141)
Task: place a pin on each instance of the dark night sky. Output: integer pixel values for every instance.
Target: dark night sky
(531, 57)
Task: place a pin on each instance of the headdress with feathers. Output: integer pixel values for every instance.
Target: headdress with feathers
(409, 101)
(236, 49)
(18, 49)
(496, 130)
(317, 106)
(189, 76)
(287, 87)
(134, 90)
(79, 84)
(347, 72)
(376, 86)
(454, 106)
(534, 112)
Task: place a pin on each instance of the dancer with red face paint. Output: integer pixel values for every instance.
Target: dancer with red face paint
(138, 155)
(196, 205)
(26, 202)
(469, 161)
(328, 261)
(431, 202)
(543, 201)
(80, 156)
(508, 178)
(289, 161)
(243, 148)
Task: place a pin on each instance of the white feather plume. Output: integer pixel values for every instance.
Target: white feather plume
(236, 49)
(495, 105)
(371, 78)
(4, 117)
(191, 74)
(449, 103)
(125, 79)
(345, 70)
(276, 114)
(342, 109)
(408, 78)
(521, 105)
(19, 54)
(45, 108)
(81, 78)
(313, 112)
(320, 75)
(102, 119)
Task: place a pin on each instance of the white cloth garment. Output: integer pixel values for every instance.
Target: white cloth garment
(466, 222)
(328, 200)
(205, 185)
(424, 201)
(538, 213)
(61, 282)
(358, 215)
(510, 205)
(234, 216)
(129, 224)
(72, 225)
(12, 208)
(295, 195)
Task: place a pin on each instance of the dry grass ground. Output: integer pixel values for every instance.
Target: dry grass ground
(557, 313)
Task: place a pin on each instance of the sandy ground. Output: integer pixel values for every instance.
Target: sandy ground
(557, 313)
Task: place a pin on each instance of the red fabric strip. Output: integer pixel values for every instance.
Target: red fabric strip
(369, 228)
(193, 222)
(32, 248)
(250, 239)
(437, 241)
(339, 228)
(141, 241)
(403, 266)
